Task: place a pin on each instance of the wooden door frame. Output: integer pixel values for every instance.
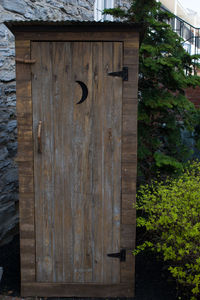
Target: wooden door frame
(129, 36)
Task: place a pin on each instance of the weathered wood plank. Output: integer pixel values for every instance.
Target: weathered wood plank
(28, 246)
(27, 274)
(22, 70)
(128, 201)
(112, 159)
(128, 216)
(128, 208)
(87, 77)
(129, 107)
(25, 150)
(26, 184)
(116, 166)
(24, 135)
(77, 290)
(128, 234)
(23, 85)
(129, 160)
(129, 149)
(130, 89)
(25, 118)
(43, 162)
(131, 50)
(129, 124)
(80, 158)
(78, 36)
(59, 80)
(26, 233)
(97, 156)
(128, 268)
(132, 75)
(129, 173)
(68, 103)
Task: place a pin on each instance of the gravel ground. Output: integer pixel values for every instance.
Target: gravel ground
(151, 281)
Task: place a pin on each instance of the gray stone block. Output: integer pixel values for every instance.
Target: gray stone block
(73, 2)
(3, 138)
(10, 89)
(7, 76)
(4, 115)
(11, 176)
(11, 125)
(12, 149)
(18, 6)
(3, 153)
(84, 4)
(4, 164)
(11, 100)
(3, 127)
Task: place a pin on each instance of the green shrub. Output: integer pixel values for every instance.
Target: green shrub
(170, 213)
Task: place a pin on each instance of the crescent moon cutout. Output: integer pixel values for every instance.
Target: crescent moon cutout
(84, 91)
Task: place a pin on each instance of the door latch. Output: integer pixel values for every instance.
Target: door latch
(123, 74)
(121, 255)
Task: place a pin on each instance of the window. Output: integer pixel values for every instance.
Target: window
(99, 6)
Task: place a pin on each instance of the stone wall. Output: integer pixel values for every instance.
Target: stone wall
(21, 10)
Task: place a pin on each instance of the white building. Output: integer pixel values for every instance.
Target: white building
(186, 23)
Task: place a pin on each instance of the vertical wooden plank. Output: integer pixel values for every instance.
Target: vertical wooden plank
(128, 269)
(25, 163)
(107, 162)
(97, 162)
(59, 101)
(67, 108)
(116, 144)
(88, 167)
(78, 150)
(112, 60)
(43, 162)
(129, 159)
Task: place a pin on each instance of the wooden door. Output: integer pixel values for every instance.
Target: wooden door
(77, 175)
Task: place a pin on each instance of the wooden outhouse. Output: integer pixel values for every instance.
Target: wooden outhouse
(77, 134)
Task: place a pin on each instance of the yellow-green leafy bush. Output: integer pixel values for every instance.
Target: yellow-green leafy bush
(170, 212)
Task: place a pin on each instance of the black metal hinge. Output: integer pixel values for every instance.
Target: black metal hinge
(121, 255)
(123, 74)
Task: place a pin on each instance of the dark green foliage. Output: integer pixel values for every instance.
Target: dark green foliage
(165, 71)
(170, 213)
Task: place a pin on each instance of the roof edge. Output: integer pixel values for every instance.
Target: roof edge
(38, 25)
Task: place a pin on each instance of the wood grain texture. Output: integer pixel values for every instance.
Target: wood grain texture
(128, 37)
(128, 235)
(128, 268)
(112, 93)
(42, 94)
(25, 163)
(78, 174)
(77, 290)
(77, 188)
(129, 159)
(131, 52)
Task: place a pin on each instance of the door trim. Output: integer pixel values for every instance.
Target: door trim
(77, 290)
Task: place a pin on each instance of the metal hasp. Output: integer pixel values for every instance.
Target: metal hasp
(121, 255)
(123, 74)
